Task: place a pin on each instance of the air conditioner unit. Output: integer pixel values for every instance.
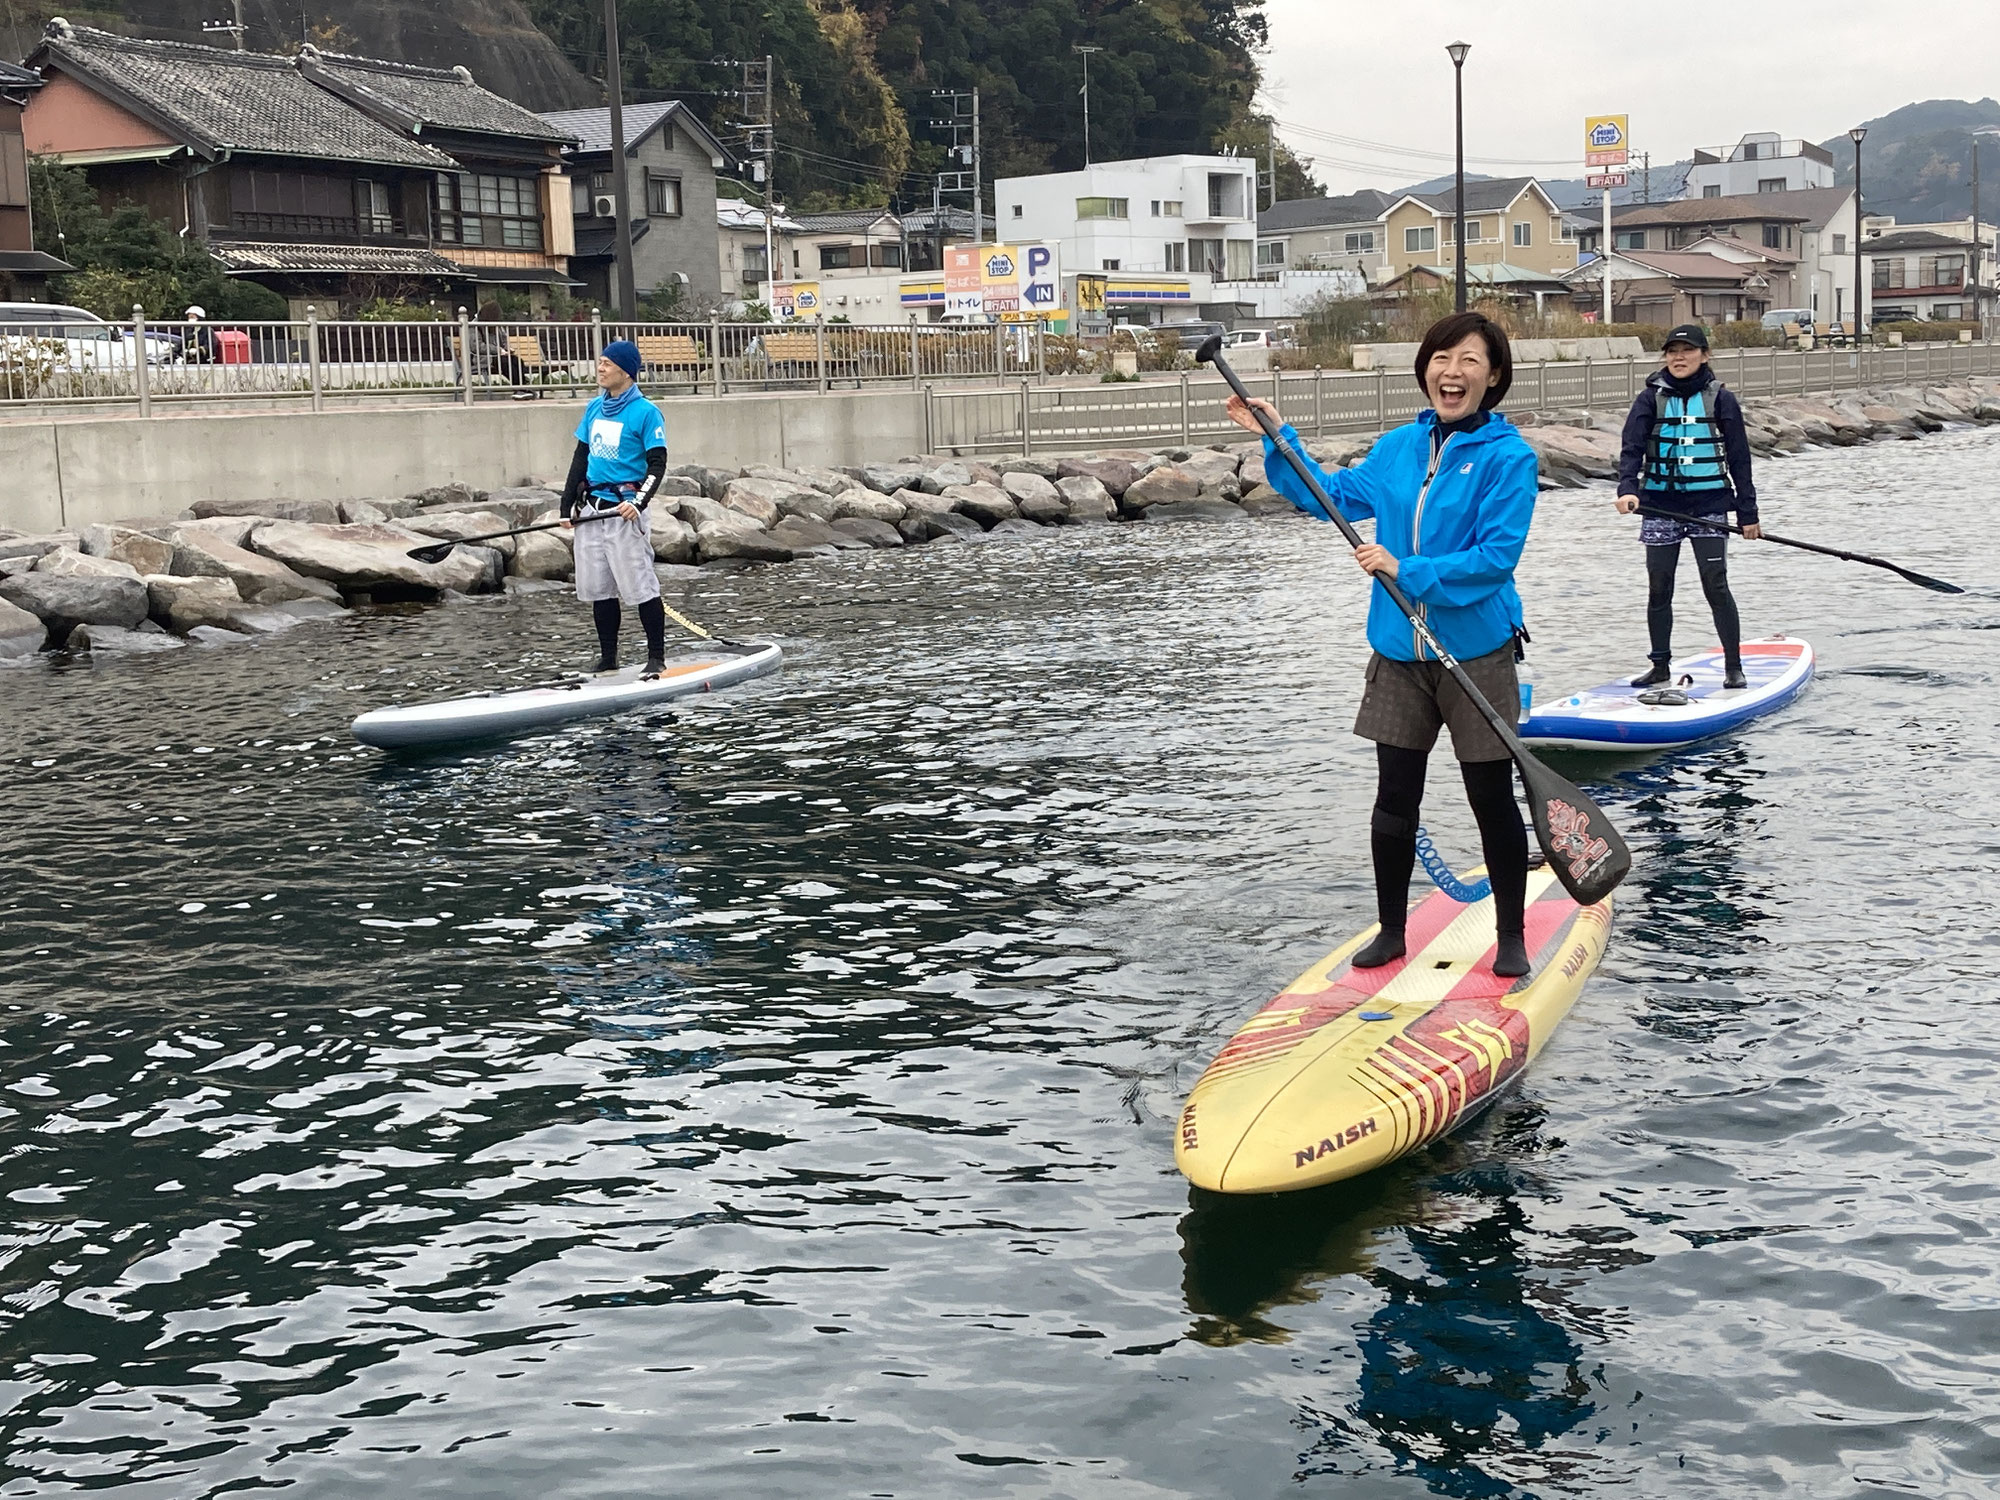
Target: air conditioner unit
(605, 206)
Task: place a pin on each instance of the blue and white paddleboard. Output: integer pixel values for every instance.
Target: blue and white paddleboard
(1618, 716)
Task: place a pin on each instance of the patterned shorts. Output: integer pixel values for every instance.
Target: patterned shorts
(1407, 702)
(1658, 531)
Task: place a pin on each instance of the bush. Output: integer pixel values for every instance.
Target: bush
(1918, 332)
(1066, 354)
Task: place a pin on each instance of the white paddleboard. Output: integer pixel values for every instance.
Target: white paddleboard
(494, 715)
(1612, 716)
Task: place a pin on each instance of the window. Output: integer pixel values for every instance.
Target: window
(1017, 210)
(1523, 236)
(836, 257)
(1170, 208)
(1774, 236)
(1103, 208)
(1770, 184)
(1176, 256)
(1711, 190)
(1947, 312)
(13, 171)
(1112, 265)
(888, 255)
(1156, 208)
(477, 208)
(1886, 274)
(371, 207)
(1360, 243)
(309, 203)
(1840, 244)
(1628, 239)
(663, 197)
(1565, 231)
(795, 260)
(1240, 260)
(1205, 257)
(1271, 255)
(1417, 238)
(1950, 271)
(584, 191)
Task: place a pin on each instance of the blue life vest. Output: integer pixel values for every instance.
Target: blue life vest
(1685, 449)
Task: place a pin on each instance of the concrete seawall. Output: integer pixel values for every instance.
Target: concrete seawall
(66, 474)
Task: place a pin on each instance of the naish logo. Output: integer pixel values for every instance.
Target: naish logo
(1333, 1143)
(1578, 957)
(1189, 1140)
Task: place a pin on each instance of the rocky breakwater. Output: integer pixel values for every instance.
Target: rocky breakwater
(1577, 447)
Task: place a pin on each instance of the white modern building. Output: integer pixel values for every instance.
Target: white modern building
(1184, 215)
(1761, 162)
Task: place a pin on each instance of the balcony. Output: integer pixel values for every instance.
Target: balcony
(1708, 156)
(319, 228)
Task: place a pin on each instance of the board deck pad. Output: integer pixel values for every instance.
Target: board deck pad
(483, 716)
(1351, 1068)
(1611, 717)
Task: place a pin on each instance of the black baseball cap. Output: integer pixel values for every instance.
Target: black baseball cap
(1688, 333)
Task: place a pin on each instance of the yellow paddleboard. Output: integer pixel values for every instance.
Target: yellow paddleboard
(1351, 1068)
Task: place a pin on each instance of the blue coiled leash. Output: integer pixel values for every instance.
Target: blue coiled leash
(1442, 876)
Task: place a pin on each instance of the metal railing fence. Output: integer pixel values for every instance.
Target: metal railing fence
(1186, 411)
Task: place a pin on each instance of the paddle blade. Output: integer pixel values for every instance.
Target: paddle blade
(1935, 585)
(1210, 347)
(1584, 849)
(436, 554)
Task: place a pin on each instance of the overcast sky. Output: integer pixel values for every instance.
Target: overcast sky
(1688, 75)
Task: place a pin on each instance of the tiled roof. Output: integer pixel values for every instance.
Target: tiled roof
(847, 220)
(591, 128)
(1913, 239)
(957, 221)
(1311, 213)
(342, 260)
(601, 241)
(1811, 207)
(733, 213)
(437, 98)
(1480, 197)
(1682, 266)
(1762, 252)
(235, 101)
(1492, 273)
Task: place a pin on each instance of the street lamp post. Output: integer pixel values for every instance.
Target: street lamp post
(1978, 240)
(1084, 52)
(614, 84)
(1456, 51)
(1855, 135)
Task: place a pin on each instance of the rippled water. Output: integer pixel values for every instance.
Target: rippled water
(772, 1096)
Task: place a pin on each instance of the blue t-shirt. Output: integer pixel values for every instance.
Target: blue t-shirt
(621, 430)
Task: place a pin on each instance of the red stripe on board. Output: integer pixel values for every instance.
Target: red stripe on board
(1438, 912)
(1544, 919)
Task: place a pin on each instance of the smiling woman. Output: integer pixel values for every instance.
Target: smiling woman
(1451, 496)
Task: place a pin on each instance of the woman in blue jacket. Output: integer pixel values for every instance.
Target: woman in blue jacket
(1451, 496)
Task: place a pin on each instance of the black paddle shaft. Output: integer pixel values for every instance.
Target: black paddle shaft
(1922, 580)
(1583, 847)
(437, 552)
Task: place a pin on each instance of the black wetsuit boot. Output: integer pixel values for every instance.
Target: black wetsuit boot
(604, 615)
(1392, 840)
(1503, 838)
(1661, 563)
(653, 616)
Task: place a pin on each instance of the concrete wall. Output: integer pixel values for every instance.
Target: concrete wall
(74, 473)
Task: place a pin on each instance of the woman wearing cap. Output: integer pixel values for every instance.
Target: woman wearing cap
(1685, 451)
(1451, 495)
(621, 456)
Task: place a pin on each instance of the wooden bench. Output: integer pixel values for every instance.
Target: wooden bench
(669, 351)
(527, 348)
(791, 348)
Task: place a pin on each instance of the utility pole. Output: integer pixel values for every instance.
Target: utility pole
(961, 120)
(1646, 181)
(614, 86)
(234, 28)
(1271, 156)
(978, 180)
(1084, 52)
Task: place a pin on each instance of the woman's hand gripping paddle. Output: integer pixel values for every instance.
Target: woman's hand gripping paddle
(439, 551)
(1921, 580)
(1582, 846)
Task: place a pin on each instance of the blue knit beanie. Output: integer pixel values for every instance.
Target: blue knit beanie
(624, 354)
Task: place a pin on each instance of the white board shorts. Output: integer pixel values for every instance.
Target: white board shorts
(614, 560)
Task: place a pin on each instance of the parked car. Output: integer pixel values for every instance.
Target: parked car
(1260, 338)
(1775, 320)
(1193, 335)
(88, 342)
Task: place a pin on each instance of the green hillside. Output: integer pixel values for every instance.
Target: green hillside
(1916, 162)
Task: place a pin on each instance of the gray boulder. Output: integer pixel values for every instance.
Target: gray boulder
(107, 638)
(533, 585)
(1041, 468)
(367, 512)
(806, 537)
(888, 479)
(142, 553)
(493, 569)
(1116, 474)
(1338, 452)
(1265, 501)
(181, 603)
(673, 540)
(449, 494)
(32, 547)
(867, 529)
(947, 523)
(1196, 510)
(232, 530)
(198, 553)
(547, 555)
(23, 634)
(985, 503)
(64, 563)
(745, 543)
(1014, 526)
(456, 525)
(814, 505)
(1045, 511)
(1021, 488)
(215, 635)
(758, 498)
(318, 512)
(922, 502)
(367, 557)
(701, 514)
(1253, 472)
(63, 603)
(830, 481)
(1086, 498)
(1167, 486)
(1210, 467)
(865, 504)
(947, 475)
(670, 484)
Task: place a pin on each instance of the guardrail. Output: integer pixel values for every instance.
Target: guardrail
(1187, 411)
(319, 363)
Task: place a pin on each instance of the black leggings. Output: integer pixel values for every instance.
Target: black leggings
(1399, 798)
(1661, 564)
(652, 615)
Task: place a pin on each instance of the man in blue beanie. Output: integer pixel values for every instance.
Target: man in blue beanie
(621, 456)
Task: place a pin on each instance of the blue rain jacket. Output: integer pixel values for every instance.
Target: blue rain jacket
(1456, 543)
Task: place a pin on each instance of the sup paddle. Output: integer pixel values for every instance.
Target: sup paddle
(1921, 580)
(1583, 848)
(439, 551)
